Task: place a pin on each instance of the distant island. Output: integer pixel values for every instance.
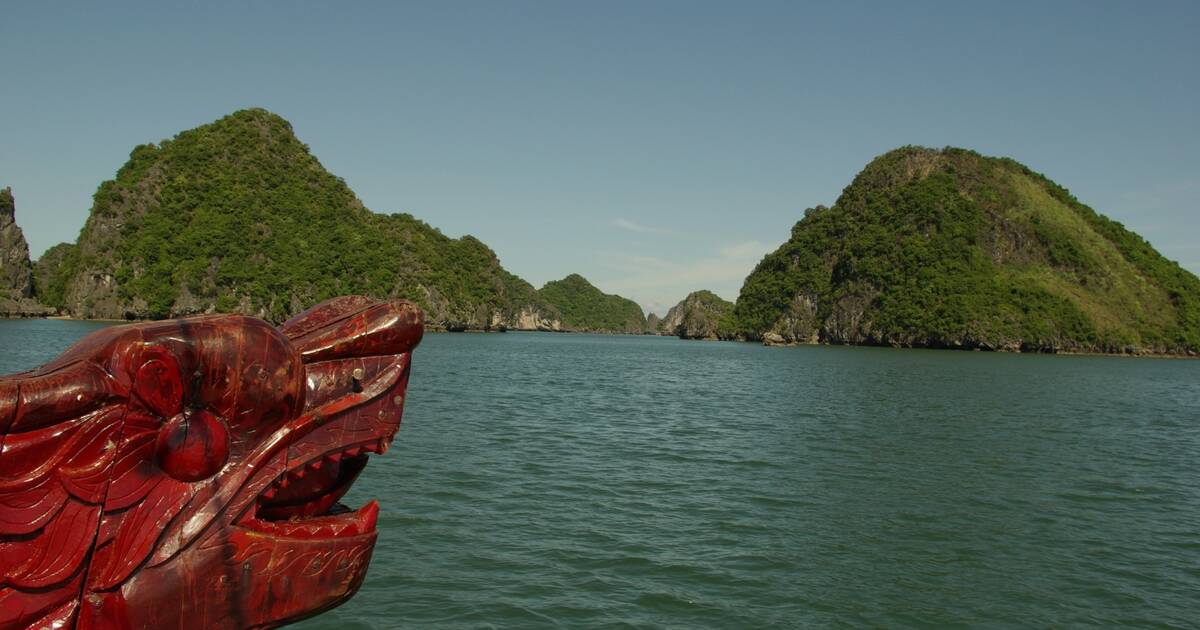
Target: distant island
(700, 315)
(585, 308)
(951, 249)
(937, 248)
(238, 216)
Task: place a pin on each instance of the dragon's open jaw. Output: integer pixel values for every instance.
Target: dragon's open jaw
(354, 396)
(303, 502)
(353, 417)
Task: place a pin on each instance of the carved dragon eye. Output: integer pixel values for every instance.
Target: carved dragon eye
(192, 445)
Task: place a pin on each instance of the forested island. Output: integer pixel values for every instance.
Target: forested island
(951, 249)
(585, 308)
(925, 248)
(238, 215)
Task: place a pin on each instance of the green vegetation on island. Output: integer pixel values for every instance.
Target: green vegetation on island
(50, 273)
(925, 248)
(239, 216)
(700, 315)
(948, 248)
(586, 308)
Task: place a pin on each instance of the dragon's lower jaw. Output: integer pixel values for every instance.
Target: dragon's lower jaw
(340, 522)
(302, 503)
(354, 410)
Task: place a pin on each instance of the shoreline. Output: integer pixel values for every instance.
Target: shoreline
(444, 330)
(68, 318)
(1065, 353)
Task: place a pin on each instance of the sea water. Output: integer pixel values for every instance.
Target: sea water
(551, 480)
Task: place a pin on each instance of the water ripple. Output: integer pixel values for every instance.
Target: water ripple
(574, 481)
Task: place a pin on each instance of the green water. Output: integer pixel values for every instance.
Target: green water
(573, 481)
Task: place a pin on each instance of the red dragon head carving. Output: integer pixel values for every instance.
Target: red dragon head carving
(186, 473)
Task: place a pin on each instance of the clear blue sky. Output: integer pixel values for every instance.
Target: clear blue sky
(654, 147)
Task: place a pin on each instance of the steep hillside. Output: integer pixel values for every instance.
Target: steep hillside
(700, 315)
(16, 272)
(238, 216)
(49, 273)
(948, 248)
(586, 308)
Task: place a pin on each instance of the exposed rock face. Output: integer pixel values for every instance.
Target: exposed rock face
(237, 216)
(946, 248)
(653, 324)
(530, 318)
(525, 312)
(797, 324)
(774, 339)
(701, 315)
(16, 272)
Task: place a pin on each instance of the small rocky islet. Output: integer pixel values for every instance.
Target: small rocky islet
(938, 248)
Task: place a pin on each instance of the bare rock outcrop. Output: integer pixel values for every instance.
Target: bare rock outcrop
(16, 272)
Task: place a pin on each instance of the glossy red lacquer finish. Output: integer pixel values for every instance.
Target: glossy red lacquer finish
(186, 473)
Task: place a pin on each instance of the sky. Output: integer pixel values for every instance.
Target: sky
(656, 148)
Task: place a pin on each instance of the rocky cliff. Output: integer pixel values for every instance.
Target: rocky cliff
(700, 315)
(239, 216)
(948, 248)
(653, 324)
(585, 308)
(16, 272)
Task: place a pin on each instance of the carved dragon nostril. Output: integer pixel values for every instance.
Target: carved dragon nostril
(197, 380)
